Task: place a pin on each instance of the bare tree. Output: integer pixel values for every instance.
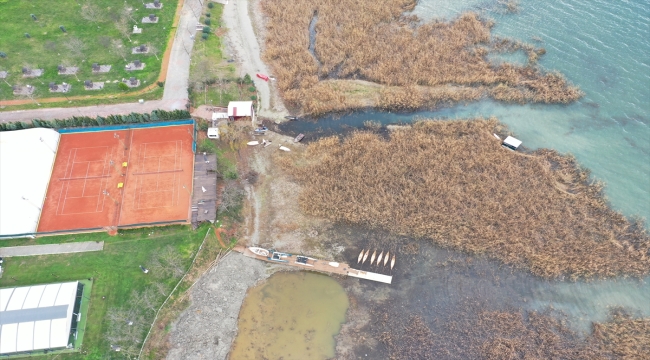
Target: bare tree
(167, 262)
(162, 289)
(104, 41)
(75, 47)
(127, 14)
(153, 50)
(118, 48)
(124, 28)
(92, 12)
(231, 197)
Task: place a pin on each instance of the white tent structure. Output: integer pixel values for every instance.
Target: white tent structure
(26, 160)
(36, 317)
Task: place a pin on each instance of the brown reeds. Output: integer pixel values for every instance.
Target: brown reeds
(453, 183)
(481, 334)
(373, 41)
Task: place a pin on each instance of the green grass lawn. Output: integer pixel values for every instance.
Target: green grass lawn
(215, 80)
(115, 272)
(46, 48)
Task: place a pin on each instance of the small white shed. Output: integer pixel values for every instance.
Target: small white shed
(241, 110)
(511, 143)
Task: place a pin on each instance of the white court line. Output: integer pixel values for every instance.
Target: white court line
(68, 183)
(58, 204)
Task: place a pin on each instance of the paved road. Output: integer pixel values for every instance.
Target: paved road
(66, 248)
(174, 96)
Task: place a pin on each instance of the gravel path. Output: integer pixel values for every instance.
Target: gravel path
(242, 40)
(208, 327)
(51, 249)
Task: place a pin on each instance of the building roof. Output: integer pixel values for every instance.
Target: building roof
(36, 317)
(240, 108)
(512, 142)
(26, 159)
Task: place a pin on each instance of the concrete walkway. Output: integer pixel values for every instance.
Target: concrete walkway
(66, 248)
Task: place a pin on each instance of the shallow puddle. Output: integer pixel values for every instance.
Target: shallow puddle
(291, 316)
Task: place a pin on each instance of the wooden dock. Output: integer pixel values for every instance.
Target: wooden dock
(312, 264)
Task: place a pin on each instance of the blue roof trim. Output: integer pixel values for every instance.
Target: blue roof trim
(125, 126)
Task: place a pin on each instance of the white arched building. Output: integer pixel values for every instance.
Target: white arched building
(26, 160)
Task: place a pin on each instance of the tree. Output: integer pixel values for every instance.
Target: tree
(104, 41)
(231, 197)
(202, 74)
(92, 12)
(118, 48)
(75, 47)
(124, 28)
(153, 50)
(127, 14)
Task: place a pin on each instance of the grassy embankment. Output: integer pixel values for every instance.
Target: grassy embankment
(452, 183)
(369, 54)
(94, 38)
(119, 285)
(212, 78)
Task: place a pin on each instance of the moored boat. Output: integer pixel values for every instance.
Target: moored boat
(379, 258)
(365, 256)
(259, 251)
(299, 138)
(360, 256)
(386, 258)
(253, 143)
(392, 263)
(372, 258)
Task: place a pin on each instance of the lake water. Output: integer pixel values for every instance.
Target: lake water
(601, 46)
(292, 315)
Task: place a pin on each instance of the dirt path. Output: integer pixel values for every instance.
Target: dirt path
(243, 42)
(273, 219)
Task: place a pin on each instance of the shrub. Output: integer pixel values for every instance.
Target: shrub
(251, 89)
(204, 36)
(122, 86)
(247, 79)
(203, 125)
(210, 5)
(160, 83)
(208, 14)
(3, 54)
(206, 29)
(207, 21)
(253, 97)
(207, 146)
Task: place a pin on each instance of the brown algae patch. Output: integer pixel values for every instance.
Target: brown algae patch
(291, 316)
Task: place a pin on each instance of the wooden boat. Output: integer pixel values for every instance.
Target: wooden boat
(283, 148)
(379, 258)
(259, 251)
(365, 256)
(253, 143)
(299, 137)
(360, 256)
(386, 258)
(372, 258)
(266, 142)
(291, 118)
(392, 263)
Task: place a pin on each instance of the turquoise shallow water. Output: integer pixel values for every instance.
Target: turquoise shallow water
(601, 46)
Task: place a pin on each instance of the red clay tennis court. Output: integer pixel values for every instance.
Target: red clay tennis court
(112, 178)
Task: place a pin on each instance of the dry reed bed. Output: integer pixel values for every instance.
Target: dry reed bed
(375, 41)
(453, 183)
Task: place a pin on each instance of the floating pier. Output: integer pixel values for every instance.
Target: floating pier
(309, 263)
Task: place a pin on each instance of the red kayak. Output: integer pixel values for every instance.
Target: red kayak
(263, 77)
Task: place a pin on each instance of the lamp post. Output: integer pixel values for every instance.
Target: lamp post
(31, 203)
